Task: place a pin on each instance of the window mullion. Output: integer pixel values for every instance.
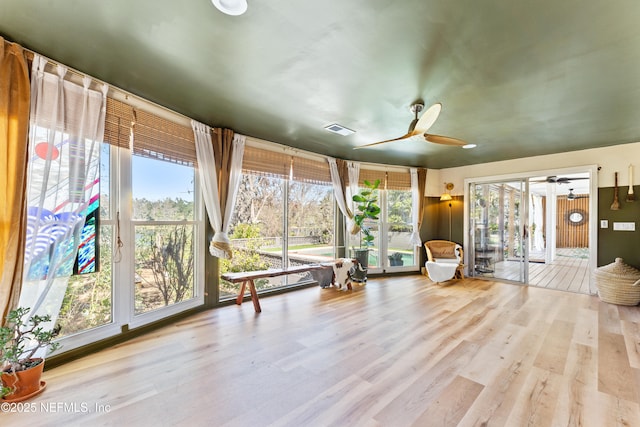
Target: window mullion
(123, 270)
(383, 226)
(285, 224)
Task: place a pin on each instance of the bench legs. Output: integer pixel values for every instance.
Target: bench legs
(254, 294)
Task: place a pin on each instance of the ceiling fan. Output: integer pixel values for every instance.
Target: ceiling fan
(560, 179)
(420, 126)
(572, 196)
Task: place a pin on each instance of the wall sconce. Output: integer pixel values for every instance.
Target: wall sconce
(446, 195)
(231, 7)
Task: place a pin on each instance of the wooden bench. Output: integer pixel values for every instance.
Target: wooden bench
(248, 277)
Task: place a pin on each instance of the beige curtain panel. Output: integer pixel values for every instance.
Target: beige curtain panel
(15, 96)
(223, 153)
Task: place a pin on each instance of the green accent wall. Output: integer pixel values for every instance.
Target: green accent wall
(622, 244)
(436, 222)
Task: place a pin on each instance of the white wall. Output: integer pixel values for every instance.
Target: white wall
(612, 159)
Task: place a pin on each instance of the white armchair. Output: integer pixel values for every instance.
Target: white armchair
(444, 260)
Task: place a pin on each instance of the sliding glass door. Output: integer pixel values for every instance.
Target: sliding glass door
(498, 230)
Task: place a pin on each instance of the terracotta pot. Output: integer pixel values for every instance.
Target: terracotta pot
(25, 382)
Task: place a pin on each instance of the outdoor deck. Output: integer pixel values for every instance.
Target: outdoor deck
(569, 272)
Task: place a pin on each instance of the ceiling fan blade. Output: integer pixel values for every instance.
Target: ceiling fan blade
(408, 135)
(444, 140)
(428, 118)
(563, 179)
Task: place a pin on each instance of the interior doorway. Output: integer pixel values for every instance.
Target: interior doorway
(539, 228)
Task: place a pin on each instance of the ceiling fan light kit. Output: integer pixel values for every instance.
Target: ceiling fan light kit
(572, 195)
(231, 7)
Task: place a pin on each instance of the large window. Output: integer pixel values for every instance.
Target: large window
(310, 222)
(284, 216)
(256, 231)
(163, 220)
(150, 230)
(392, 248)
(400, 251)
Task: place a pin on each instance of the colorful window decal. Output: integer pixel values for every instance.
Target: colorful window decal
(89, 250)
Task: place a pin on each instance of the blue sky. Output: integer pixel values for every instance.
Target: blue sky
(155, 180)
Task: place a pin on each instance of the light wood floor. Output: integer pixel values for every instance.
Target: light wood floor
(397, 352)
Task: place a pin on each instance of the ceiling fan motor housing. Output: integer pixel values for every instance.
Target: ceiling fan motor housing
(416, 108)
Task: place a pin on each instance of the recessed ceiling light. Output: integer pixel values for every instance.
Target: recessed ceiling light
(466, 147)
(231, 7)
(339, 129)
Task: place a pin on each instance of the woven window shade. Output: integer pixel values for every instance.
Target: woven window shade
(311, 171)
(153, 136)
(117, 123)
(398, 180)
(162, 139)
(389, 180)
(370, 175)
(265, 162)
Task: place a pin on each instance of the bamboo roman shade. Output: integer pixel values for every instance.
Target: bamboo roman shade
(153, 136)
(117, 123)
(311, 171)
(162, 139)
(265, 162)
(282, 165)
(389, 180)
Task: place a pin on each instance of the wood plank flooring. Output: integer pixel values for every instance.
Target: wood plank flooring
(399, 351)
(564, 273)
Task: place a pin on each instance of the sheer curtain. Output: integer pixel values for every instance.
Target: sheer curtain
(66, 129)
(14, 127)
(220, 171)
(537, 220)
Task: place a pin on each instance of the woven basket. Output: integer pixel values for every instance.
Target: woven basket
(618, 283)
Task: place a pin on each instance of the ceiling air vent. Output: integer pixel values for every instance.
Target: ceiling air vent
(339, 129)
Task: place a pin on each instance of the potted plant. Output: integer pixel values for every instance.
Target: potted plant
(20, 339)
(395, 259)
(366, 209)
